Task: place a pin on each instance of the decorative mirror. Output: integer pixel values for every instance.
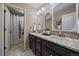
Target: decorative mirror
(64, 16)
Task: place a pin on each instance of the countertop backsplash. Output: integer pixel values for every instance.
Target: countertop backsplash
(73, 35)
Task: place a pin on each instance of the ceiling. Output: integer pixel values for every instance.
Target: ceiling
(14, 9)
(36, 5)
(61, 7)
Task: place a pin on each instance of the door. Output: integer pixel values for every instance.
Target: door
(1, 29)
(7, 30)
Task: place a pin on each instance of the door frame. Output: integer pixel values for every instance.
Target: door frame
(2, 29)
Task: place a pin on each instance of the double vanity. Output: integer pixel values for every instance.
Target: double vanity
(62, 18)
(53, 45)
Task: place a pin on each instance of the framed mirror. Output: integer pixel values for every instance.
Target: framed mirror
(41, 22)
(64, 16)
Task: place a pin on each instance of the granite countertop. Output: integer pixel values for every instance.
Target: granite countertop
(69, 43)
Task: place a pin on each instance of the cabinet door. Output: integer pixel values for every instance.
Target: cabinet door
(38, 47)
(46, 51)
(33, 45)
(39, 40)
(32, 42)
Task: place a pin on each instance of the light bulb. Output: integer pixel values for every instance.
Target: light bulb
(42, 8)
(39, 11)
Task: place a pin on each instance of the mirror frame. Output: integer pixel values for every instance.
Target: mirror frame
(56, 4)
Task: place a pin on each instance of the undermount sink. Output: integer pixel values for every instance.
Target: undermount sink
(46, 34)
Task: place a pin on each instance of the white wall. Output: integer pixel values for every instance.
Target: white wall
(29, 20)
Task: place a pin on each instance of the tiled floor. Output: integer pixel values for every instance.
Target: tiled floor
(18, 51)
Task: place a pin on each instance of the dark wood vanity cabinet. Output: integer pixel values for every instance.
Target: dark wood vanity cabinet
(42, 47)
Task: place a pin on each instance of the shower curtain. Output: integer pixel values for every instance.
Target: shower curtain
(12, 30)
(16, 28)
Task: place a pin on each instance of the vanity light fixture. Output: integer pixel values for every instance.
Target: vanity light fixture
(42, 8)
(39, 11)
